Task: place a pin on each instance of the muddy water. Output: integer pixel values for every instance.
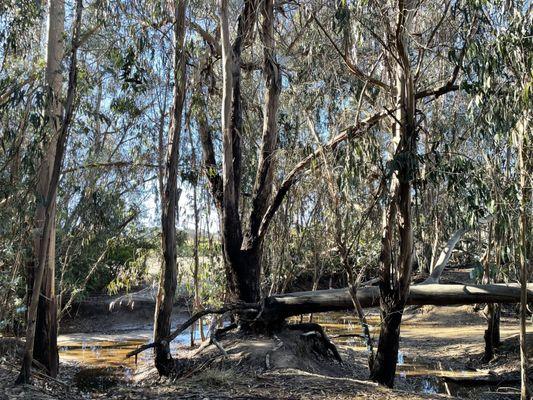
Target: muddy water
(102, 362)
(102, 357)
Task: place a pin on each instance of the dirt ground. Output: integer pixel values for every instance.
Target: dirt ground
(433, 339)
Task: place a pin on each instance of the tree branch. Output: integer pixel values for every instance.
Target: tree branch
(292, 177)
(450, 85)
(195, 317)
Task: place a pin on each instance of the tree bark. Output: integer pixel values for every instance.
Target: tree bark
(50, 199)
(168, 282)
(45, 346)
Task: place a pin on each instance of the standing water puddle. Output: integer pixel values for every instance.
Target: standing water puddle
(102, 357)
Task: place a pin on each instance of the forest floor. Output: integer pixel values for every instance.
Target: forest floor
(440, 357)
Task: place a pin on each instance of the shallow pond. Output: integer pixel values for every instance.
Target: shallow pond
(103, 364)
(102, 357)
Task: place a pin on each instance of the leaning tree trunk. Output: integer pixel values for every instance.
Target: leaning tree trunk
(444, 257)
(45, 346)
(50, 199)
(168, 282)
(395, 274)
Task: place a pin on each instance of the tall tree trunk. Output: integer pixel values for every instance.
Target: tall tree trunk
(48, 229)
(196, 257)
(168, 282)
(395, 272)
(45, 346)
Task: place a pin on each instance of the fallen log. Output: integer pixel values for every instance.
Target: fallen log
(275, 309)
(279, 307)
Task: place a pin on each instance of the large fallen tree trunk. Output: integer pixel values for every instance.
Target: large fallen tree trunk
(279, 307)
(270, 315)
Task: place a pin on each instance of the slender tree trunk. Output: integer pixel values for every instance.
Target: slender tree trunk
(434, 248)
(167, 288)
(395, 272)
(196, 266)
(524, 388)
(489, 332)
(496, 340)
(62, 125)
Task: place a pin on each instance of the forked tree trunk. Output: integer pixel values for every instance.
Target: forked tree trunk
(168, 281)
(242, 252)
(50, 199)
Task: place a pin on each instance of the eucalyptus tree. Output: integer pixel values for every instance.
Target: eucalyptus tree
(46, 329)
(14, 48)
(397, 36)
(167, 287)
(60, 121)
(244, 230)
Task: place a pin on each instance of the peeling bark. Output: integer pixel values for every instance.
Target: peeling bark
(168, 280)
